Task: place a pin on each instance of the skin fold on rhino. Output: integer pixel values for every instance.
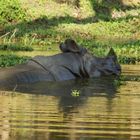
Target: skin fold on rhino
(74, 62)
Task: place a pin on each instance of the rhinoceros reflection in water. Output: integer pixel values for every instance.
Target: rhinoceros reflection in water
(73, 62)
(103, 86)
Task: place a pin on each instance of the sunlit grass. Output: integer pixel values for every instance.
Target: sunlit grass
(49, 23)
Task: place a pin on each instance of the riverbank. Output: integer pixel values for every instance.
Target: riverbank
(39, 27)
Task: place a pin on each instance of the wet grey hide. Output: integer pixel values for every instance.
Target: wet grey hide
(74, 62)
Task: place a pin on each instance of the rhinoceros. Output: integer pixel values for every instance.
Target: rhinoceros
(73, 62)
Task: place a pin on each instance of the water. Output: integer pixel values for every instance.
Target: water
(50, 111)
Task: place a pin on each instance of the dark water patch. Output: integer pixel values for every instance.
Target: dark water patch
(88, 87)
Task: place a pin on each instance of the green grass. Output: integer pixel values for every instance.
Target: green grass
(11, 11)
(15, 47)
(47, 23)
(10, 60)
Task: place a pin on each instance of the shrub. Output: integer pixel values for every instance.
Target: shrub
(11, 11)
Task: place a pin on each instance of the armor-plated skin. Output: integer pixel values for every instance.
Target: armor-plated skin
(69, 64)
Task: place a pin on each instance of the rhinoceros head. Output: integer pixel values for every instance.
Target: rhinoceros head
(97, 66)
(111, 65)
(94, 66)
(108, 65)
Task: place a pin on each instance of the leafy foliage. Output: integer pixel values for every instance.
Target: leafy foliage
(11, 11)
(128, 60)
(52, 21)
(10, 60)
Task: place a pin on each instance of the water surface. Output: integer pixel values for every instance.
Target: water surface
(49, 111)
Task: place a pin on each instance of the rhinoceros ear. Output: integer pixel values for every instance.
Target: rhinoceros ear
(112, 53)
(69, 46)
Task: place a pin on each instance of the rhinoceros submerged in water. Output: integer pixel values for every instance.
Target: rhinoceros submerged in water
(73, 62)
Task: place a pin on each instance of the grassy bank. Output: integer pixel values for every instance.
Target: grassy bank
(37, 27)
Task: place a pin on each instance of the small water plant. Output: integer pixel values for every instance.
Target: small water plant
(75, 93)
(119, 81)
(123, 79)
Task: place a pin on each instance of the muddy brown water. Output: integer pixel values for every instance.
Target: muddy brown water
(49, 111)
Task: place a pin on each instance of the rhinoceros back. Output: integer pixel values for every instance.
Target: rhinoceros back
(23, 74)
(42, 68)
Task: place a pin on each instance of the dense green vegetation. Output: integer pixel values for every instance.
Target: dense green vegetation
(10, 60)
(15, 47)
(40, 26)
(11, 11)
